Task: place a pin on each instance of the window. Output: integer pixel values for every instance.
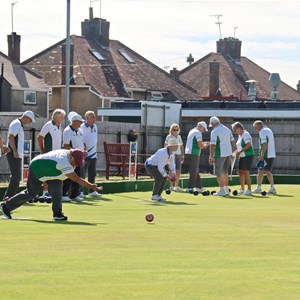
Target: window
(97, 54)
(29, 97)
(126, 56)
(156, 96)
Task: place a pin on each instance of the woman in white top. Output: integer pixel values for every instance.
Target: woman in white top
(174, 133)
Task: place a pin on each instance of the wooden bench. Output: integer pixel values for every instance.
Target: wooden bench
(117, 155)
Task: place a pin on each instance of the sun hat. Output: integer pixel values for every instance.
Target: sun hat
(77, 117)
(202, 124)
(29, 114)
(78, 156)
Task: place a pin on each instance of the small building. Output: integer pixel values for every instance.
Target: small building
(103, 70)
(20, 88)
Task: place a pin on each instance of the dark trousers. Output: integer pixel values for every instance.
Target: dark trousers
(32, 189)
(71, 188)
(90, 168)
(15, 165)
(159, 180)
(192, 162)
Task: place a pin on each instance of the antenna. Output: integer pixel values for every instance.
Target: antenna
(234, 30)
(218, 23)
(12, 15)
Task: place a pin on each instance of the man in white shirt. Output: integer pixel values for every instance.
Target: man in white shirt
(221, 145)
(89, 132)
(50, 138)
(193, 147)
(267, 153)
(15, 142)
(72, 138)
(155, 166)
(52, 167)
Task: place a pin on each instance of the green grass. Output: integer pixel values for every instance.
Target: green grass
(196, 248)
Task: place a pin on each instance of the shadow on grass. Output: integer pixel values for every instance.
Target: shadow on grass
(168, 202)
(282, 195)
(68, 222)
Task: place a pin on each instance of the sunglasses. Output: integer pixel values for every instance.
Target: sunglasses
(175, 129)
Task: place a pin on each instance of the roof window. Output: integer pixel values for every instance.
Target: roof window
(126, 56)
(97, 54)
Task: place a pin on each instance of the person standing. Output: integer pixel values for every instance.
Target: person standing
(90, 139)
(193, 147)
(50, 138)
(15, 143)
(221, 145)
(174, 132)
(245, 152)
(72, 138)
(267, 153)
(52, 167)
(156, 167)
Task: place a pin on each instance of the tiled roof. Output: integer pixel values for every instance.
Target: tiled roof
(19, 76)
(233, 77)
(108, 77)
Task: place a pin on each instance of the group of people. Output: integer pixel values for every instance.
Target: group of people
(166, 162)
(60, 168)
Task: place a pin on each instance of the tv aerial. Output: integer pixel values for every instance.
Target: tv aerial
(219, 23)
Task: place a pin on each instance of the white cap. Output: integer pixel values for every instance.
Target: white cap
(29, 114)
(202, 124)
(213, 120)
(77, 117)
(173, 142)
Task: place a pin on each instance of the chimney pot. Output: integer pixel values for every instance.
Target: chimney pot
(230, 47)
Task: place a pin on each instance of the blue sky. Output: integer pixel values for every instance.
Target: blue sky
(166, 31)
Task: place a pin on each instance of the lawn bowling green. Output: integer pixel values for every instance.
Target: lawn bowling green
(196, 248)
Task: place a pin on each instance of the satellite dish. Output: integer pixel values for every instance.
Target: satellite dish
(71, 115)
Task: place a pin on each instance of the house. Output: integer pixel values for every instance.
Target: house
(20, 88)
(103, 70)
(225, 73)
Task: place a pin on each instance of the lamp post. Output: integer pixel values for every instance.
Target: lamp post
(68, 43)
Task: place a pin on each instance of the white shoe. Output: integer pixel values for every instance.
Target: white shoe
(272, 190)
(78, 199)
(82, 195)
(172, 188)
(221, 193)
(155, 198)
(248, 193)
(65, 199)
(162, 199)
(240, 192)
(226, 189)
(178, 189)
(257, 190)
(95, 194)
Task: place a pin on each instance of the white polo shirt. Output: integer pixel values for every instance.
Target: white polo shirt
(266, 136)
(52, 135)
(90, 138)
(54, 165)
(73, 138)
(16, 129)
(160, 159)
(221, 136)
(179, 140)
(242, 141)
(193, 138)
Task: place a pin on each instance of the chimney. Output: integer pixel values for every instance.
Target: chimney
(96, 28)
(63, 70)
(298, 87)
(14, 42)
(214, 78)
(230, 48)
(175, 73)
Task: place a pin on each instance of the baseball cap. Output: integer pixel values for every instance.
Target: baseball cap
(78, 156)
(29, 114)
(202, 124)
(213, 120)
(77, 117)
(173, 142)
